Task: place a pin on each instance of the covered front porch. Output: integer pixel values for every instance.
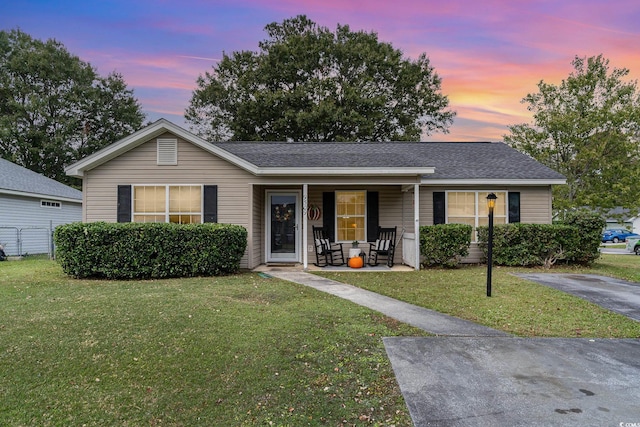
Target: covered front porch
(284, 215)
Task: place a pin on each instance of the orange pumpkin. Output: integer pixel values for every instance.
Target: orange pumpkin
(356, 262)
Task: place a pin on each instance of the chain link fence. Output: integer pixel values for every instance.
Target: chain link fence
(22, 241)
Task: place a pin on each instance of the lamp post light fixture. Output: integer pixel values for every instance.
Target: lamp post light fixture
(491, 203)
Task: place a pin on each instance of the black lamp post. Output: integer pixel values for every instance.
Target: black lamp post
(491, 203)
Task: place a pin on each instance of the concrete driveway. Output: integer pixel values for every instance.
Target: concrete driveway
(616, 295)
(492, 381)
(470, 375)
(615, 251)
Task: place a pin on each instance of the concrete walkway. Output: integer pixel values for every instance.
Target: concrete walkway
(428, 320)
(471, 375)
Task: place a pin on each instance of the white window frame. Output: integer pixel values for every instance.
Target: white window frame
(50, 204)
(477, 202)
(364, 238)
(166, 212)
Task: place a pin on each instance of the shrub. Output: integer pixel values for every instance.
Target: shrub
(527, 244)
(131, 250)
(574, 241)
(588, 226)
(444, 244)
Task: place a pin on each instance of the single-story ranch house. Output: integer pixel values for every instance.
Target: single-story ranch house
(279, 190)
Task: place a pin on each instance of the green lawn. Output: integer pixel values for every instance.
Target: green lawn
(232, 351)
(517, 306)
(625, 267)
(243, 350)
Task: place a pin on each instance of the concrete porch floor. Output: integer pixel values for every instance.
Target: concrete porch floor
(311, 268)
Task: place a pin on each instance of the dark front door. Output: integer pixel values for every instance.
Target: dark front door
(283, 241)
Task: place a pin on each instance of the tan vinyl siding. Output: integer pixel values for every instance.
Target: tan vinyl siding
(257, 249)
(535, 207)
(195, 166)
(535, 202)
(475, 255)
(391, 213)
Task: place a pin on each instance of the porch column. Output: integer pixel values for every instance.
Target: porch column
(416, 227)
(250, 259)
(305, 207)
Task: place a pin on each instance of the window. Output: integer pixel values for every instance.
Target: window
(50, 204)
(351, 215)
(180, 204)
(470, 207)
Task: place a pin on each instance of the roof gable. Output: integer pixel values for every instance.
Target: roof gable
(145, 134)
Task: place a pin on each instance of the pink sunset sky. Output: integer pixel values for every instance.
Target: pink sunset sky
(489, 53)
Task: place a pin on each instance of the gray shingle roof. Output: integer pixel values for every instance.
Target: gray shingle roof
(452, 160)
(17, 178)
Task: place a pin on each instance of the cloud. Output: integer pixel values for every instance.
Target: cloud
(489, 54)
(199, 58)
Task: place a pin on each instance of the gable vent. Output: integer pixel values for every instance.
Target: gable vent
(167, 151)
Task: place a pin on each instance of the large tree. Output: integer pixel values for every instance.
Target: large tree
(55, 108)
(587, 128)
(309, 84)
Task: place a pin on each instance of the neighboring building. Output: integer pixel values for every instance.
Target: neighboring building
(278, 190)
(31, 206)
(623, 218)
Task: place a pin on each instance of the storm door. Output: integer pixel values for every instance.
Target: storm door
(283, 230)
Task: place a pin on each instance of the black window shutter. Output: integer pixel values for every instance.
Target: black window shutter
(329, 213)
(439, 215)
(514, 206)
(210, 203)
(373, 217)
(124, 203)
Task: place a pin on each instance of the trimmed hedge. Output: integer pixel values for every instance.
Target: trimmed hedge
(444, 244)
(142, 251)
(528, 244)
(575, 241)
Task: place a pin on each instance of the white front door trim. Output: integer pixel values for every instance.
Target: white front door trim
(282, 236)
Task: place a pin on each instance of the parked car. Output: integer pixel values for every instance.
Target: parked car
(616, 235)
(633, 244)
